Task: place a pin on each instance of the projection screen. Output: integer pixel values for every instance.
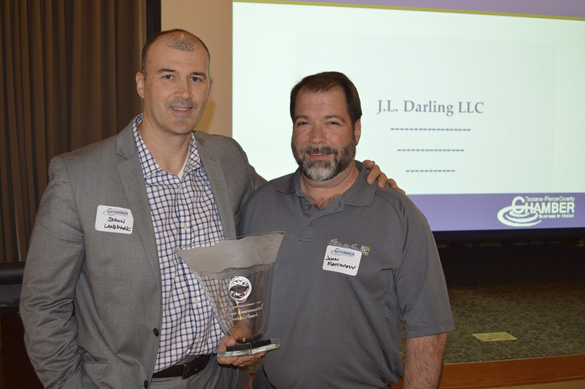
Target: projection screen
(478, 113)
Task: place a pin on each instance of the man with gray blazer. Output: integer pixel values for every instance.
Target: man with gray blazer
(106, 302)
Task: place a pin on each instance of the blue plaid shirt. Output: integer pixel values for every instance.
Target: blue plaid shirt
(184, 213)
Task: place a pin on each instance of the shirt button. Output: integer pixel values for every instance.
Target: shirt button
(155, 331)
(145, 384)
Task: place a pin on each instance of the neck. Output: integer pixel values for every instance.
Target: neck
(321, 203)
(321, 193)
(169, 151)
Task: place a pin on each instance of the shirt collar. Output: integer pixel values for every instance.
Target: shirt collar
(149, 165)
(359, 194)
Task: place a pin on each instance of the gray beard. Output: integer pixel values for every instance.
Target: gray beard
(320, 171)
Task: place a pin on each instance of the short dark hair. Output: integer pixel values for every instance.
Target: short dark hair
(180, 40)
(324, 82)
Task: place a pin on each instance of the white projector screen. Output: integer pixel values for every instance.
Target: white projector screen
(478, 114)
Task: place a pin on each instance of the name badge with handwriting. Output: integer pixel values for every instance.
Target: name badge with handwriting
(342, 260)
(114, 219)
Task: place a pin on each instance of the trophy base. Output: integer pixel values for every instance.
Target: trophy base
(251, 348)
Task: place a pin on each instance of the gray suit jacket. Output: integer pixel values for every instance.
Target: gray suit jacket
(91, 300)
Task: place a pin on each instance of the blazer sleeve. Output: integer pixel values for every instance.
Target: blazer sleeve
(257, 178)
(52, 269)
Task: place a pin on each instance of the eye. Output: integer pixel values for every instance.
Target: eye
(167, 77)
(301, 123)
(196, 79)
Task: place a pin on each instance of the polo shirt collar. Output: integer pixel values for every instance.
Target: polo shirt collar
(359, 194)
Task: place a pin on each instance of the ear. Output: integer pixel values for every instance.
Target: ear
(358, 131)
(210, 87)
(140, 84)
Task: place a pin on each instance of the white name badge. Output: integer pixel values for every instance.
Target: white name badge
(342, 260)
(114, 219)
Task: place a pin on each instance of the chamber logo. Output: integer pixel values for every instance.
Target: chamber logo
(527, 211)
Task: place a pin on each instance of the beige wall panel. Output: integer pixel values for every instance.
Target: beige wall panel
(210, 20)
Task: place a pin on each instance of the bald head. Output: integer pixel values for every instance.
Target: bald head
(176, 39)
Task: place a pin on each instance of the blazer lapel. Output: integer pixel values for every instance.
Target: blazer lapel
(220, 190)
(132, 179)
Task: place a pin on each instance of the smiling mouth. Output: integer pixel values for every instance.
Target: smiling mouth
(319, 152)
(181, 109)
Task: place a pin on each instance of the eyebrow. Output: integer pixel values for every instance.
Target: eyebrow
(339, 117)
(335, 117)
(165, 70)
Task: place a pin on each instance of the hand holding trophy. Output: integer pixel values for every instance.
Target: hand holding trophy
(235, 275)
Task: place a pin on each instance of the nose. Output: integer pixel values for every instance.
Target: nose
(183, 90)
(317, 134)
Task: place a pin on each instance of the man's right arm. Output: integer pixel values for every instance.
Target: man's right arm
(51, 273)
(423, 361)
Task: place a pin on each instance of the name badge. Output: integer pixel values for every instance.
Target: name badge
(342, 260)
(114, 219)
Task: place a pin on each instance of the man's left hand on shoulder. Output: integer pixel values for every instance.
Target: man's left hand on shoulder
(374, 172)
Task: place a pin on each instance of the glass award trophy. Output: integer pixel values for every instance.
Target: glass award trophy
(235, 276)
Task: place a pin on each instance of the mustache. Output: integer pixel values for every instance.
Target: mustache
(182, 103)
(318, 150)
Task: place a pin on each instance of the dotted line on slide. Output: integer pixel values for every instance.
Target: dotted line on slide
(430, 129)
(432, 150)
(430, 170)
